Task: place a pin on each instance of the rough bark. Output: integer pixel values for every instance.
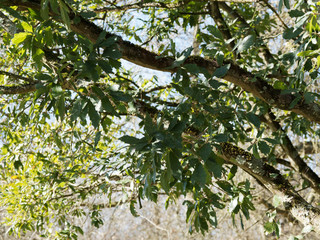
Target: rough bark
(272, 179)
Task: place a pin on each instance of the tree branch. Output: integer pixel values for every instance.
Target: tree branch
(221, 24)
(297, 162)
(18, 89)
(17, 77)
(273, 180)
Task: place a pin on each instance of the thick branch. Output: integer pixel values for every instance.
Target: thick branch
(273, 180)
(235, 16)
(297, 162)
(18, 89)
(222, 25)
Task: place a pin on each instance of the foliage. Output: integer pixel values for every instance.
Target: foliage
(77, 122)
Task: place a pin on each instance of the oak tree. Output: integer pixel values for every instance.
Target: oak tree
(149, 98)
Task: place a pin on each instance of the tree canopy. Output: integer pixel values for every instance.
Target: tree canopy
(146, 98)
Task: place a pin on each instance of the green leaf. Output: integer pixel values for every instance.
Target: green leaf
(253, 119)
(77, 109)
(232, 172)
(18, 164)
(215, 32)
(20, 37)
(255, 151)
(44, 10)
(287, 3)
(199, 175)
(294, 102)
(106, 105)
(221, 71)
(184, 55)
(26, 26)
(129, 139)
(221, 138)
(296, 13)
(61, 106)
(214, 166)
(133, 209)
(38, 56)
(291, 33)
(205, 151)
(64, 14)
(105, 66)
(149, 126)
(226, 186)
(245, 43)
(269, 227)
(54, 6)
(97, 138)
(94, 115)
(165, 180)
(216, 84)
(308, 97)
(264, 147)
(121, 96)
(174, 165)
(112, 52)
(280, 5)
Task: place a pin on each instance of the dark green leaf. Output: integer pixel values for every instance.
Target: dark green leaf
(287, 3)
(174, 165)
(111, 52)
(94, 115)
(54, 6)
(216, 84)
(291, 33)
(133, 209)
(105, 66)
(245, 43)
(199, 175)
(213, 165)
(18, 164)
(149, 126)
(215, 32)
(129, 139)
(184, 55)
(77, 109)
(64, 14)
(222, 71)
(294, 102)
(280, 5)
(97, 138)
(165, 180)
(61, 106)
(205, 151)
(264, 147)
(296, 13)
(308, 97)
(232, 172)
(226, 186)
(253, 119)
(221, 138)
(44, 11)
(108, 107)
